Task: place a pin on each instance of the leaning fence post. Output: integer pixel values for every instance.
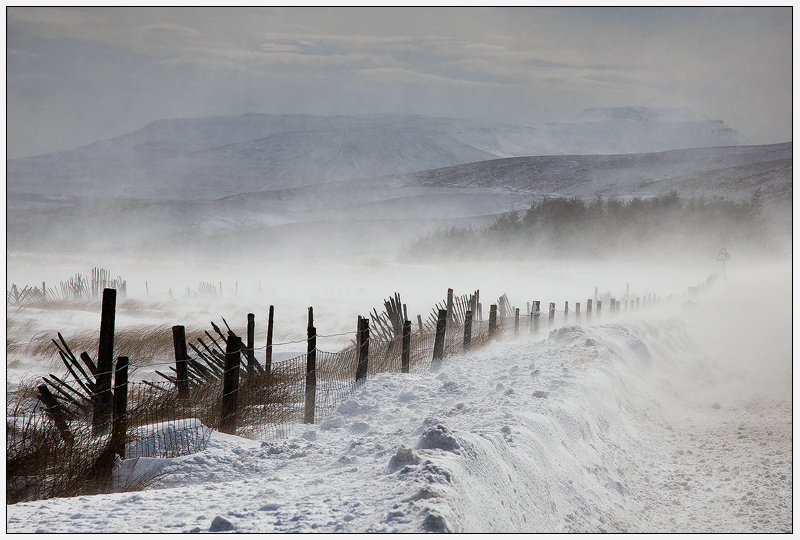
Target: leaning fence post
(467, 330)
(120, 406)
(251, 346)
(181, 360)
(268, 358)
(103, 397)
(230, 384)
(311, 370)
(492, 320)
(438, 343)
(419, 322)
(363, 348)
(551, 317)
(406, 359)
(56, 412)
(516, 322)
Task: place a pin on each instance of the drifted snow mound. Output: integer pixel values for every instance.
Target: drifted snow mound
(171, 439)
(578, 461)
(439, 437)
(637, 425)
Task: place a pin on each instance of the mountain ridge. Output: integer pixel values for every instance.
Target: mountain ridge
(218, 156)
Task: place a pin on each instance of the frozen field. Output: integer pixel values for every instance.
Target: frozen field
(675, 419)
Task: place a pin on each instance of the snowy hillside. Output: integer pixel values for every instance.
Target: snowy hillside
(392, 210)
(672, 420)
(220, 156)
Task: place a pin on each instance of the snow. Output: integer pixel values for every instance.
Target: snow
(206, 158)
(663, 420)
(393, 209)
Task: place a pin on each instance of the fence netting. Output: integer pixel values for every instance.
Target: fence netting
(46, 459)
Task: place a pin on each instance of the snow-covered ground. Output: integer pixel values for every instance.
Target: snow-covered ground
(675, 419)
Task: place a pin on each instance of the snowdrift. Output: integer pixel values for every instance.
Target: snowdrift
(640, 424)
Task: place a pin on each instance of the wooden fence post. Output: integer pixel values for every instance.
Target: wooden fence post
(56, 412)
(637, 302)
(311, 370)
(577, 312)
(467, 330)
(551, 316)
(230, 384)
(450, 306)
(419, 322)
(103, 396)
(588, 309)
(181, 360)
(535, 317)
(516, 322)
(120, 406)
(251, 343)
(599, 307)
(268, 359)
(438, 343)
(492, 320)
(566, 311)
(363, 348)
(406, 359)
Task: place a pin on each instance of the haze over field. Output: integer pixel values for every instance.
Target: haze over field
(222, 161)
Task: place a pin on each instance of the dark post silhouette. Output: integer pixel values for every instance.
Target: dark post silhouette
(251, 343)
(230, 384)
(406, 359)
(181, 360)
(103, 396)
(363, 348)
(467, 330)
(268, 359)
(438, 343)
(311, 369)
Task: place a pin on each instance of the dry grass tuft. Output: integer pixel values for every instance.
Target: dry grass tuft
(144, 345)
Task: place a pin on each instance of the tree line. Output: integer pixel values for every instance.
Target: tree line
(666, 225)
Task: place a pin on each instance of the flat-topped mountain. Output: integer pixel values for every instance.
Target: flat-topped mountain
(206, 158)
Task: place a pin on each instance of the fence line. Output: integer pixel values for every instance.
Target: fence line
(63, 447)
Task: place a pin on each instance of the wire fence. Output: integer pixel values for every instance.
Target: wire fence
(47, 459)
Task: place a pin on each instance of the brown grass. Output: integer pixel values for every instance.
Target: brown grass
(43, 463)
(144, 345)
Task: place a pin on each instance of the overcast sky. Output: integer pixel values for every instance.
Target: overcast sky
(75, 76)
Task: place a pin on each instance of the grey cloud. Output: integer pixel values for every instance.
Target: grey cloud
(116, 69)
(171, 29)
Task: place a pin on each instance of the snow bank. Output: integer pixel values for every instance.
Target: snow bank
(644, 424)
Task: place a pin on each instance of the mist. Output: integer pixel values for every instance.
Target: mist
(222, 163)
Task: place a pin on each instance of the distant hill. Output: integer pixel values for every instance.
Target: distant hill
(390, 210)
(207, 158)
